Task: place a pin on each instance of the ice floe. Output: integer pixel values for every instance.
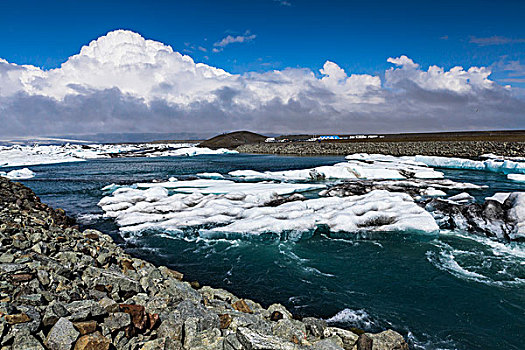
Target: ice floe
(19, 155)
(491, 164)
(20, 174)
(358, 166)
(231, 207)
(516, 177)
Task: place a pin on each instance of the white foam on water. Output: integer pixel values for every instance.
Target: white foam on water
(481, 266)
(357, 318)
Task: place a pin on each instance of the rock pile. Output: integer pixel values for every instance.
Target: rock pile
(61, 288)
(466, 149)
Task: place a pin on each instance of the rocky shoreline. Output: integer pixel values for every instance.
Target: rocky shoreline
(428, 148)
(62, 288)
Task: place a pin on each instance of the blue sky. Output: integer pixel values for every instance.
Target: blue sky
(358, 35)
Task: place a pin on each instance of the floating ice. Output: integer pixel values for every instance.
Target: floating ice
(516, 177)
(499, 197)
(516, 214)
(20, 174)
(240, 208)
(496, 165)
(359, 166)
(432, 192)
(31, 155)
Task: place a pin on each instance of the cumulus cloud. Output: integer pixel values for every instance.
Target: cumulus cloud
(122, 82)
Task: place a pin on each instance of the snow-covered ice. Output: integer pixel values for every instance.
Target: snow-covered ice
(491, 164)
(516, 177)
(516, 214)
(18, 155)
(240, 208)
(20, 174)
(358, 166)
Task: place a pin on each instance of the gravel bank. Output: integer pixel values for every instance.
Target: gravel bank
(467, 149)
(61, 289)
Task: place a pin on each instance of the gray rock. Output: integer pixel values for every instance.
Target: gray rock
(332, 343)
(290, 330)
(252, 340)
(278, 307)
(26, 342)
(117, 320)
(232, 343)
(62, 335)
(83, 310)
(205, 318)
(315, 326)
(349, 338)
(388, 340)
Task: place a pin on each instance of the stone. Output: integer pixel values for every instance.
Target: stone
(315, 326)
(349, 338)
(62, 335)
(290, 330)
(276, 316)
(278, 307)
(26, 342)
(388, 340)
(205, 318)
(253, 340)
(117, 320)
(225, 320)
(17, 318)
(85, 327)
(94, 341)
(331, 343)
(137, 313)
(240, 305)
(364, 342)
(108, 304)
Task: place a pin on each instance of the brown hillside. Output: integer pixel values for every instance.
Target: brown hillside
(233, 140)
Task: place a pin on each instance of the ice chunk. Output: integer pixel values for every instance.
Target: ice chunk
(496, 165)
(210, 175)
(516, 214)
(20, 174)
(432, 192)
(462, 198)
(499, 197)
(516, 177)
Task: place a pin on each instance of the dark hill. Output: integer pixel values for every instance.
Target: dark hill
(233, 140)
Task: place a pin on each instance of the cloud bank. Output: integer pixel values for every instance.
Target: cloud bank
(122, 82)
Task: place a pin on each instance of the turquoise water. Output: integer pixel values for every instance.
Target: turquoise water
(452, 290)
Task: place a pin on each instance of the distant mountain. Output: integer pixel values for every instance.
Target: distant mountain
(233, 139)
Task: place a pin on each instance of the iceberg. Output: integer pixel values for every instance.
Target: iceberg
(231, 207)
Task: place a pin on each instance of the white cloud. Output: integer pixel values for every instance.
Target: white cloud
(122, 82)
(436, 78)
(235, 39)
